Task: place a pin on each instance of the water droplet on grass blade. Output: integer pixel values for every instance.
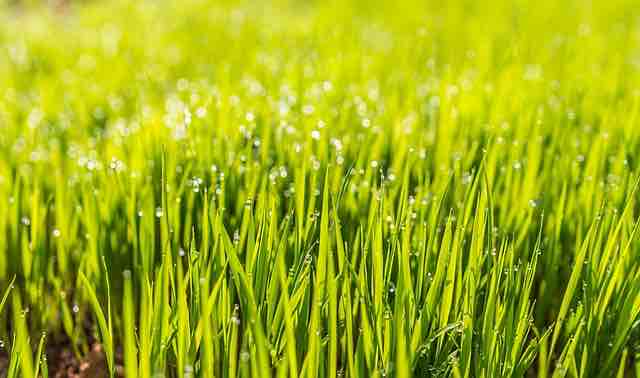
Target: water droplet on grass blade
(188, 371)
(466, 178)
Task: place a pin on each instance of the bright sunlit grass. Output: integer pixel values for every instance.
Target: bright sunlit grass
(321, 189)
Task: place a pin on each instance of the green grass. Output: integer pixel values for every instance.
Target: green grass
(321, 189)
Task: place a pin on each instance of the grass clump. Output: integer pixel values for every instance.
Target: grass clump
(324, 189)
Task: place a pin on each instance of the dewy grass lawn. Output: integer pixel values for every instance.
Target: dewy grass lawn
(320, 189)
